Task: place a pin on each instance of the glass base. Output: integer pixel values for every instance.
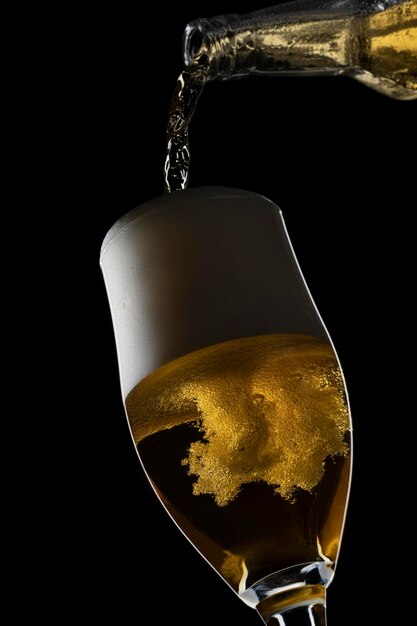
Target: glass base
(295, 596)
(299, 576)
(302, 606)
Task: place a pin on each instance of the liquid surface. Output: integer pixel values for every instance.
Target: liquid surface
(247, 445)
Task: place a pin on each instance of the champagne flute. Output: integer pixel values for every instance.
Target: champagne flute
(234, 394)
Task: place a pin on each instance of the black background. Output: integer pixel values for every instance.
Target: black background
(333, 155)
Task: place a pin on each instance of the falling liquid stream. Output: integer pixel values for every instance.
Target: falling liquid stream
(187, 91)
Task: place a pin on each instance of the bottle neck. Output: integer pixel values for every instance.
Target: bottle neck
(236, 46)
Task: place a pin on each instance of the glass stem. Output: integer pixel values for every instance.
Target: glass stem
(313, 615)
(302, 606)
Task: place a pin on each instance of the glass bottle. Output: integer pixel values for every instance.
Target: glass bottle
(374, 41)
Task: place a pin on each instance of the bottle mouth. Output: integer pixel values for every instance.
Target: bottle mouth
(219, 44)
(193, 39)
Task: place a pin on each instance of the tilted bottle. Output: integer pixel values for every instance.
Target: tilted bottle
(374, 41)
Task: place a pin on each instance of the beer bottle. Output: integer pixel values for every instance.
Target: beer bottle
(373, 41)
